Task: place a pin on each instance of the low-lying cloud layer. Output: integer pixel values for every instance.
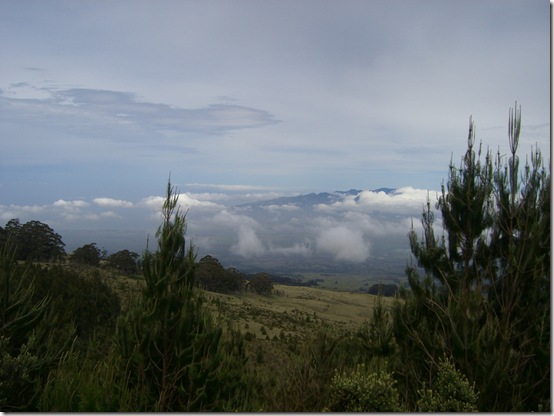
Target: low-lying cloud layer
(352, 227)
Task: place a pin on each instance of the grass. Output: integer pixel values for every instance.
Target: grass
(293, 309)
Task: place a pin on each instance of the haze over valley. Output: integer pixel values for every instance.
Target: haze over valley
(355, 231)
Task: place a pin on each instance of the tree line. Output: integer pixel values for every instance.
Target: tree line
(470, 332)
(37, 242)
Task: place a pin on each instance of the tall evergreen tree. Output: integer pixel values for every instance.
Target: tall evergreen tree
(173, 350)
(485, 295)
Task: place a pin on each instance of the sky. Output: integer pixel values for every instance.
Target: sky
(241, 100)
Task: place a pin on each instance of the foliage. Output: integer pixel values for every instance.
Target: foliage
(17, 375)
(363, 391)
(211, 275)
(451, 393)
(174, 357)
(377, 334)
(19, 313)
(89, 255)
(85, 384)
(261, 284)
(34, 241)
(383, 289)
(82, 304)
(300, 382)
(124, 261)
(485, 297)
(25, 335)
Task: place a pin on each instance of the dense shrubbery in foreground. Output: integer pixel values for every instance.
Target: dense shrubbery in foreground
(471, 334)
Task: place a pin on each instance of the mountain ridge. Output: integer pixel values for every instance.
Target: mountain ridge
(312, 198)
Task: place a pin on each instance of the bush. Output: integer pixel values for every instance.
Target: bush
(76, 300)
(452, 392)
(363, 391)
(17, 376)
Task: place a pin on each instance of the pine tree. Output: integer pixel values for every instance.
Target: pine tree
(485, 297)
(174, 352)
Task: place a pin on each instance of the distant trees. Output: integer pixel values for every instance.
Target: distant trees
(124, 261)
(261, 284)
(211, 275)
(383, 289)
(484, 299)
(33, 240)
(89, 254)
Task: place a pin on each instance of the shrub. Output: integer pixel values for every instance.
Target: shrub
(452, 392)
(17, 376)
(363, 391)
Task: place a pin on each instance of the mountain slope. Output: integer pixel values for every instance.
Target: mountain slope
(311, 199)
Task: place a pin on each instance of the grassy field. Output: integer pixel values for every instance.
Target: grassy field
(285, 335)
(293, 309)
(290, 315)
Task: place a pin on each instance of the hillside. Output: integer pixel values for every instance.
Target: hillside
(294, 309)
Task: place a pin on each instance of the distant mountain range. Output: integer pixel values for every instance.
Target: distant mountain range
(311, 199)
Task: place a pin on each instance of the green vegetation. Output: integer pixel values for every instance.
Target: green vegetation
(261, 284)
(32, 241)
(124, 261)
(172, 352)
(484, 298)
(470, 333)
(88, 254)
(211, 275)
(364, 391)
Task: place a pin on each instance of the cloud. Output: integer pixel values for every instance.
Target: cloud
(92, 216)
(404, 200)
(245, 228)
(110, 202)
(187, 200)
(249, 244)
(80, 108)
(77, 204)
(155, 203)
(8, 212)
(355, 228)
(71, 211)
(297, 249)
(344, 244)
(286, 207)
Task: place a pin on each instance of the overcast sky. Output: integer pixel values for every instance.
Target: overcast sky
(101, 100)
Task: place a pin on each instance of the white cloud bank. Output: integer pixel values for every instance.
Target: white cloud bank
(344, 244)
(110, 202)
(351, 228)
